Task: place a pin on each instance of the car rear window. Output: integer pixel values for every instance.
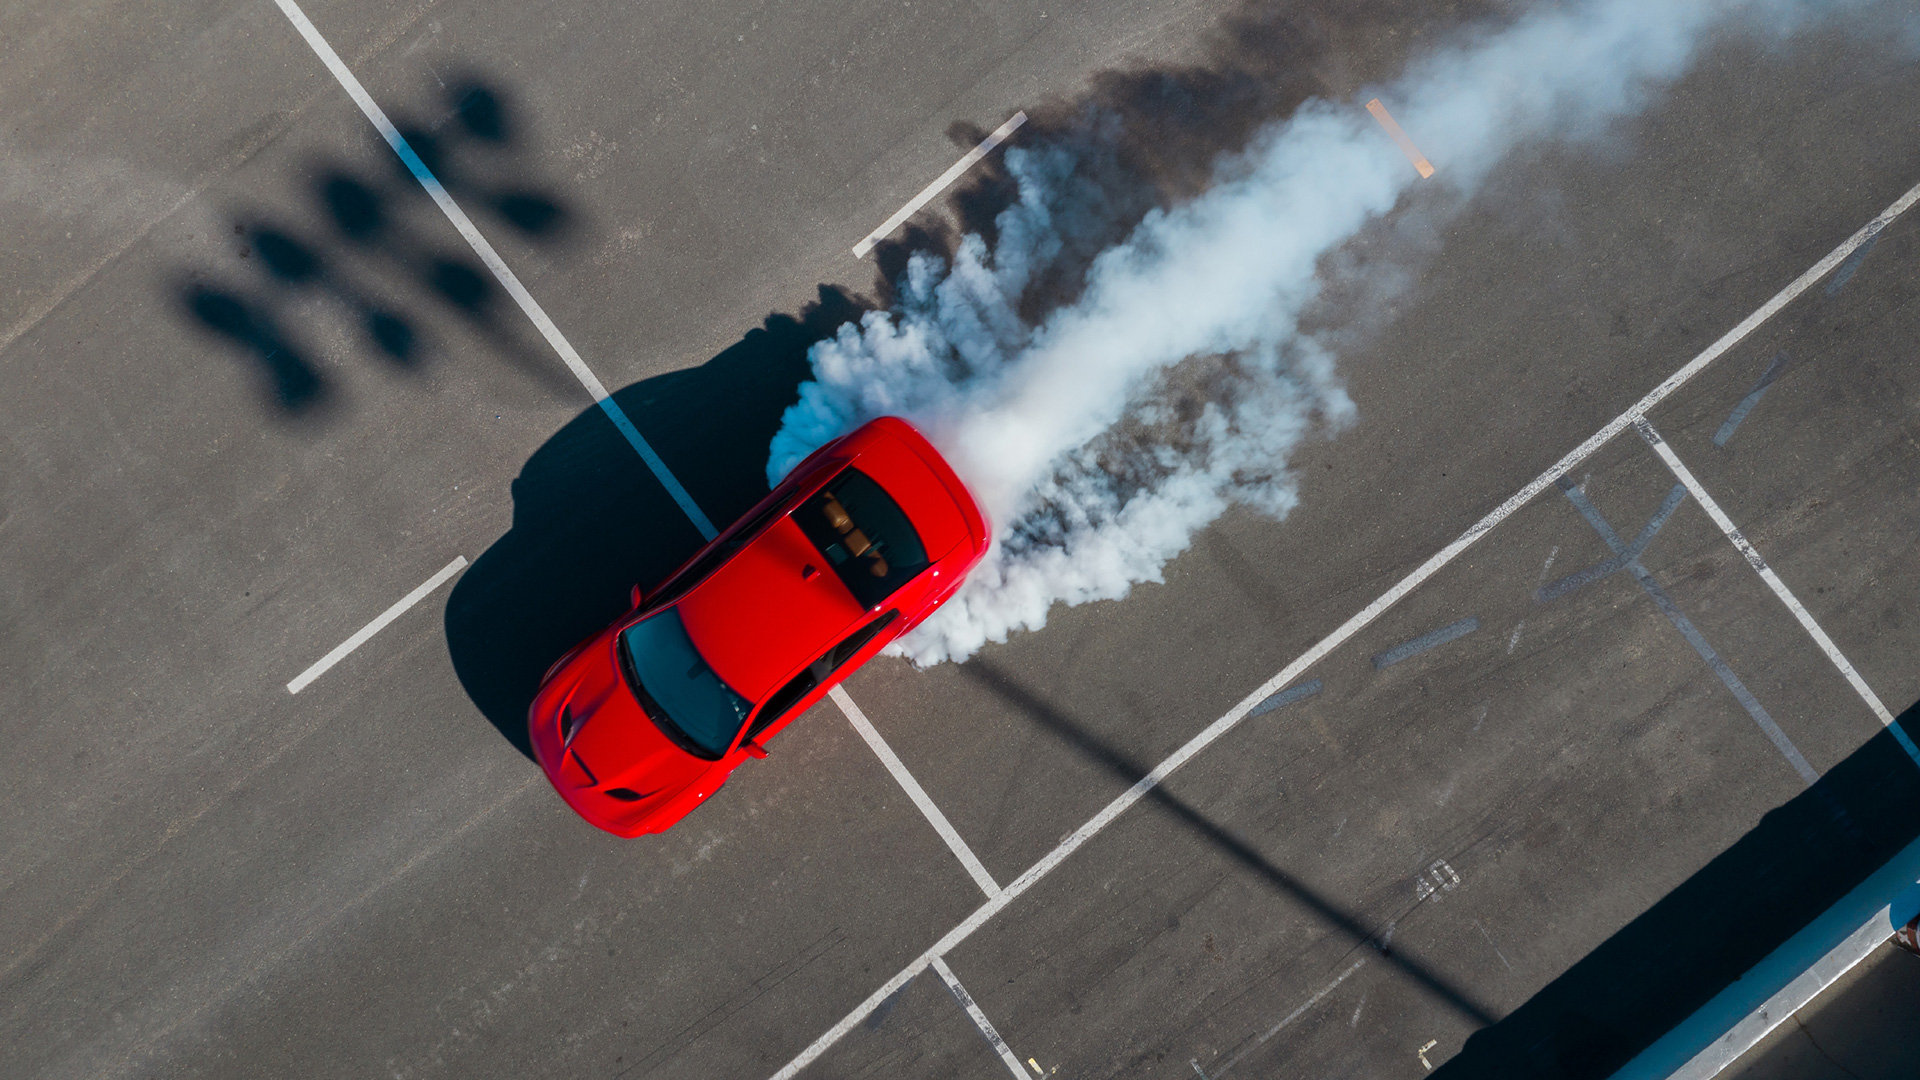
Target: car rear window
(864, 536)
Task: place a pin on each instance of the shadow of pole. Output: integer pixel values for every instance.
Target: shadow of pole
(1128, 770)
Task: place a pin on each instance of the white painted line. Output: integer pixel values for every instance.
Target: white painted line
(361, 636)
(1292, 1016)
(1714, 661)
(511, 282)
(979, 1019)
(1791, 976)
(1346, 630)
(915, 792)
(1800, 613)
(501, 272)
(928, 193)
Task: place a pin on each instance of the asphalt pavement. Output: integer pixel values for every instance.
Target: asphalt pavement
(255, 388)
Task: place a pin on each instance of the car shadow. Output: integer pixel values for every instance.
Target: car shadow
(589, 520)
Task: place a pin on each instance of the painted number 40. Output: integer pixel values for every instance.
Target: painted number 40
(1438, 878)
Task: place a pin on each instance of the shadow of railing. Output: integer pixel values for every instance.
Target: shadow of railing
(589, 521)
(1712, 929)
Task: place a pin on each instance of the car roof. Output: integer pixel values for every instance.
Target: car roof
(756, 619)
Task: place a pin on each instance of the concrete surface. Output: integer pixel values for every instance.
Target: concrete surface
(1862, 1028)
(253, 389)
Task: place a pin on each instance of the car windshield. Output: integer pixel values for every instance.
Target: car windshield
(864, 535)
(677, 688)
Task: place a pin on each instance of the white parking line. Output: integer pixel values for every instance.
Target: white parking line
(1715, 662)
(619, 417)
(1212, 732)
(915, 792)
(1000, 900)
(508, 280)
(979, 1019)
(379, 623)
(1296, 1014)
(940, 184)
(1800, 613)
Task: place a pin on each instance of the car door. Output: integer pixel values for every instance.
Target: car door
(813, 680)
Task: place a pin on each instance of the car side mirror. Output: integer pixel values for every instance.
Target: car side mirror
(634, 596)
(754, 749)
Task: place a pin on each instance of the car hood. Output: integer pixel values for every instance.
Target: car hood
(618, 746)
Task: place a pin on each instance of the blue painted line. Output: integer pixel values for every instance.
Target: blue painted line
(1847, 269)
(1694, 638)
(1297, 692)
(1747, 403)
(1426, 641)
(1622, 558)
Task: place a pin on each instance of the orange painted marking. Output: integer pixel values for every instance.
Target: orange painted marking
(1420, 162)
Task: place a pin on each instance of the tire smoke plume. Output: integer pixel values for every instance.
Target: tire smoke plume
(1176, 379)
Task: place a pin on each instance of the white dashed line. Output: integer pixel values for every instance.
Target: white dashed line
(508, 280)
(915, 792)
(979, 1019)
(1800, 613)
(1212, 732)
(361, 636)
(928, 193)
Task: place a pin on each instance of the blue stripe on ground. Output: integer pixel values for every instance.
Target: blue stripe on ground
(1847, 269)
(1747, 403)
(1696, 639)
(1622, 558)
(1426, 641)
(1296, 692)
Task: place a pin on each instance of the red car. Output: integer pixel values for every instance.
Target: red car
(643, 721)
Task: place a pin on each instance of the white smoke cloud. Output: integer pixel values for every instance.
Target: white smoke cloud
(1179, 380)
